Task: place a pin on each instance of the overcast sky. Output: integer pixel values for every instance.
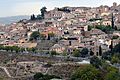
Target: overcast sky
(28, 7)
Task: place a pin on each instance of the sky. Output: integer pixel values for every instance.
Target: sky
(28, 7)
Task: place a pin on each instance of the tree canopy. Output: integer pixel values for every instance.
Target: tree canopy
(95, 61)
(105, 29)
(76, 53)
(35, 35)
(51, 35)
(52, 53)
(40, 76)
(95, 19)
(33, 17)
(112, 75)
(87, 73)
(117, 48)
(84, 52)
(43, 11)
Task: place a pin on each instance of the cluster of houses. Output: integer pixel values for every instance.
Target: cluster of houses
(71, 28)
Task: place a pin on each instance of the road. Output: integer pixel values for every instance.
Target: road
(57, 56)
(6, 71)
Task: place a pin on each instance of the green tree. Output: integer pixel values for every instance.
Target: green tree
(33, 17)
(35, 36)
(100, 51)
(112, 75)
(76, 53)
(111, 68)
(106, 55)
(38, 76)
(1, 47)
(33, 49)
(7, 48)
(116, 48)
(95, 19)
(29, 49)
(111, 46)
(52, 53)
(115, 37)
(90, 27)
(84, 52)
(112, 21)
(42, 36)
(91, 53)
(115, 28)
(64, 9)
(87, 73)
(65, 53)
(16, 49)
(114, 59)
(43, 11)
(50, 36)
(39, 17)
(96, 62)
(105, 29)
(22, 49)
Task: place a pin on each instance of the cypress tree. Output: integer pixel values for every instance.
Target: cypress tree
(112, 22)
(100, 51)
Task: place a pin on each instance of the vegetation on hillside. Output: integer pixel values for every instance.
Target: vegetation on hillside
(97, 70)
(16, 49)
(80, 53)
(41, 16)
(40, 76)
(37, 36)
(103, 28)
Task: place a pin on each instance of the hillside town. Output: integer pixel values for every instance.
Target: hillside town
(70, 28)
(62, 38)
